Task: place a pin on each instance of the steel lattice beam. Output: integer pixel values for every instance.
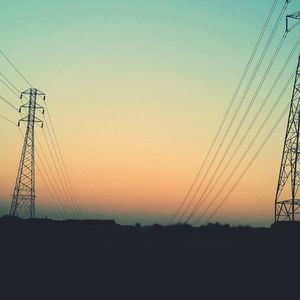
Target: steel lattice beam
(295, 16)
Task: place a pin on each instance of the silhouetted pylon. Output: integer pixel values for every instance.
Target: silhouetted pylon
(287, 201)
(23, 200)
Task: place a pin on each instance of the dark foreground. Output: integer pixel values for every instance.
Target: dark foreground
(95, 259)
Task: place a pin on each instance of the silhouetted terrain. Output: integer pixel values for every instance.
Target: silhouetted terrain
(103, 257)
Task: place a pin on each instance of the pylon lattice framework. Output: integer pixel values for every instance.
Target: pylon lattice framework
(289, 169)
(287, 203)
(23, 200)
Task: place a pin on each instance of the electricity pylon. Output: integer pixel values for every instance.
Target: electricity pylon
(287, 201)
(23, 200)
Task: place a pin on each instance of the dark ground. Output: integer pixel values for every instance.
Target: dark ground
(95, 259)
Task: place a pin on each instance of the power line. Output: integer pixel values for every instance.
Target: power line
(67, 191)
(249, 146)
(62, 164)
(239, 126)
(204, 196)
(10, 83)
(8, 103)
(8, 120)
(57, 172)
(58, 194)
(248, 86)
(16, 69)
(245, 72)
(9, 88)
(249, 165)
(49, 191)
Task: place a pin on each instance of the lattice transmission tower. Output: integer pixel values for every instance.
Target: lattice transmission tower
(23, 200)
(287, 199)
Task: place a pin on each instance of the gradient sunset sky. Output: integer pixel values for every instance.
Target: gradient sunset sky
(136, 90)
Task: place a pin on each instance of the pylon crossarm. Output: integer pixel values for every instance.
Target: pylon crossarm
(37, 106)
(294, 16)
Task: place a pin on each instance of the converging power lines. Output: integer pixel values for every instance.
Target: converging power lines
(199, 200)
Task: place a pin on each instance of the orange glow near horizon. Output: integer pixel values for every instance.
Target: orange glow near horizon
(136, 94)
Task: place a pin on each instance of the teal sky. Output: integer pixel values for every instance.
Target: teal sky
(136, 90)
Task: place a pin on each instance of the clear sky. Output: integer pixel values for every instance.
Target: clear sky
(136, 90)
